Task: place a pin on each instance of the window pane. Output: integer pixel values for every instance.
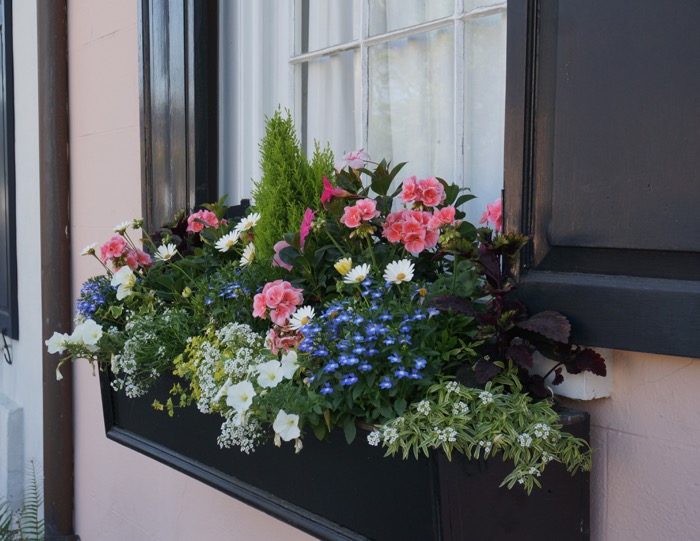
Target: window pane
(330, 105)
(323, 23)
(469, 5)
(411, 103)
(484, 109)
(389, 15)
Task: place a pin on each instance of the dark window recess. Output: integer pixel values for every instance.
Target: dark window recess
(8, 241)
(178, 80)
(602, 132)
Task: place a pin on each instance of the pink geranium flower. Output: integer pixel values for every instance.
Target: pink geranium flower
(432, 192)
(368, 209)
(280, 298)
(113, 248)
(352, 217)
(493, 214)
(445, 216)
(409, 191)
(194, 221)
(355, 159)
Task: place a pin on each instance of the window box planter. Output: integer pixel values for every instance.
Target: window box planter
(337, 491)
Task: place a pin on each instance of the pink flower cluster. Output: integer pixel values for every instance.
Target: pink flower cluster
(281, 338)
(428, 191)
(417, 230)
(364, 209)
(206, 216)
(493, 214)
(280, 298)
(118, 252)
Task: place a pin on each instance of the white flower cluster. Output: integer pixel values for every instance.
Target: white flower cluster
(452, 387)
(390, 435)
(236, 434)
(423, 407)
(86, 335)
(486, 445)
(460, 408)
(486, 397)
(449, 434)
(525, 440)
(541, 430)
(374, 438)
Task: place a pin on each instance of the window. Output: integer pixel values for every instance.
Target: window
(408, 80)
(8, 243)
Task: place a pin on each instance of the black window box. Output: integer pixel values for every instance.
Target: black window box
(337, 491)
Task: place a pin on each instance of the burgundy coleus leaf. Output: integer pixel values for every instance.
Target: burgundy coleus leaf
(549, 324)
(520, 355)
(456, 304)
(591, 361)
(491, 265)
(485, 370)
(558, 378)
(535, 384)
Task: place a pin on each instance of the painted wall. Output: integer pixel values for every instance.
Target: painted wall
(21, 383)
(646, 481)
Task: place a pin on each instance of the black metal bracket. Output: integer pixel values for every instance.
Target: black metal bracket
(6, 348)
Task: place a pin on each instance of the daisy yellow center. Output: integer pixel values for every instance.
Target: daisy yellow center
(423, 292)
(400, 276)
(229, 243)
(304, 320)
(360, 278)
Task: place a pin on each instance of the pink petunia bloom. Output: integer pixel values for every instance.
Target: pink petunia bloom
(113, 248)
(206, 216)
(432, 192)
(305, 228)
(493, 214)
(368, 208)
(352, 217)
(330, 191)
(355, 159)
(276, 259)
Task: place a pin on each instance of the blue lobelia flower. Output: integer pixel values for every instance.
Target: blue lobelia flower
(394, 358)
(364, 367)
(401, 373)
(349, 379)
(419, 362)
(331, 366)
(326, 389)
(385, 383)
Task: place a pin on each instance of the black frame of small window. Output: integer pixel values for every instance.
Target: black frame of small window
(621, 299)
(9, 320)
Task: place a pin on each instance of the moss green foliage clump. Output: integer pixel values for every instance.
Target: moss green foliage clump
(289, 183)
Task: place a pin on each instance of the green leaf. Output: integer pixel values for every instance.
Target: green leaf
(400, 406)
(350, 429)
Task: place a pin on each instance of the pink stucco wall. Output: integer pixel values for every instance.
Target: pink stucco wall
(646, 481)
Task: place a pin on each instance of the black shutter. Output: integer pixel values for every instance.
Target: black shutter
(178, 60)
(603, 167)
(8, 242)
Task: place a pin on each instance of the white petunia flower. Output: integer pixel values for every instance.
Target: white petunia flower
(286, 425)
(289, 364)
(301, 317)
(165, 252)
(270, 374)
(228, 241)
(248, 255)
(249, 221)
(57, 343)
(398, 272)
(357, 275)
(122, 227)
(88, 332)
(240, 396)
(124, 280)
(89, 249)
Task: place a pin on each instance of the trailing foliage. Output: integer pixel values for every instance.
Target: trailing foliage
(26, 523)
(289, 184)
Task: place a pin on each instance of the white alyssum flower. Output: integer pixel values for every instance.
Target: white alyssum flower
(452, 387)
(374, 438)
(240, 396)
(423, 407)
(449, 434)
(124, 280)
(165, 252)
(541, 430)
(57, 343)
(357, 274)
(286, 425)
(89, 249)
(390, 435)
(289, 364)
(525, 440)
(122, 227)
(486, 397)
(301, 317)
(270, 374)
(460, 408)
(249, 221)
(248, 255)
(228, 241)
(398, 272)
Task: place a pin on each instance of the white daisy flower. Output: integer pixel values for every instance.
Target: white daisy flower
(89, 249)
(398, 272)
(228, 241)
(249, 221)
(357, 275)
(248, 255)
(286, 425)
(122, 227)
(240, 396)
(270, 374)
(301, 317)
(165, 252)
